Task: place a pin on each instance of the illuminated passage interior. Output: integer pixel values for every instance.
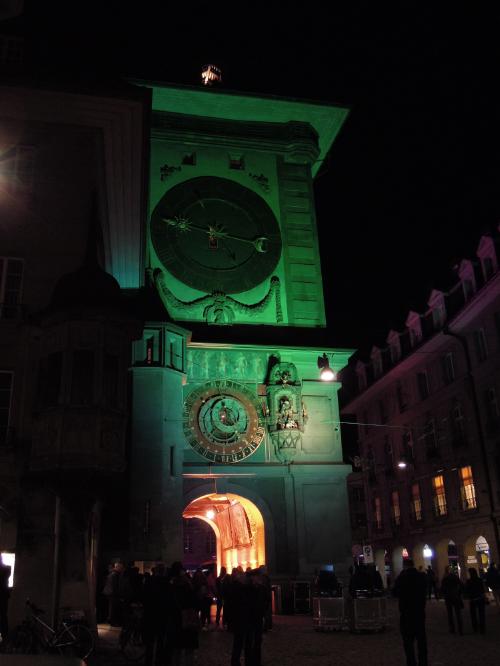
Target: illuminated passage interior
(238, 526)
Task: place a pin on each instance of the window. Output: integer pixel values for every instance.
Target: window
(407, 442)
(468, 287)
(423, 385)
(458, 424)
(11, 50)
(480, 344)
(438, 317)
(11, 281)
(382, 411)
(189, 159)
(467, 489)
(210, 544)
(377, 365)
(448, 368)
(430, 438)
(377, 512)
(49, 380)
(395, 507)
(388, 452)
(5, 400)
(439, 496)
(401, 396)
(237, 162)
(82, 379)
(416, 502)
(491, 403)
(488, 267)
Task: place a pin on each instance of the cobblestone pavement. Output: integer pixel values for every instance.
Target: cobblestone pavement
(293, 642)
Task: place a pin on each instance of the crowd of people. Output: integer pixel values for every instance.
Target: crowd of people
(177, 605)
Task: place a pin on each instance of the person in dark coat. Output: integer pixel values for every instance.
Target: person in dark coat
(431, 582)
(220, 586)
(475, 592)
(183, 623)
(157, 602)
(493, 582)
(247, 616)
(5, 572)
(451, 591)
(411, 590)
(112, 592)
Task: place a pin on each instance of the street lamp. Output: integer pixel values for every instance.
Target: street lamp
(326, 374)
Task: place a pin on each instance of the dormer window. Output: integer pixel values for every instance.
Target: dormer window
(376, 358)
(467, 278)
(487, 256)
(414, 326)
(361, 375)
(394, 343)
(438, 309)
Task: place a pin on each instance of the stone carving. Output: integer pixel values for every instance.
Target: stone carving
(286, 412)
(218, 308)
(208, 363)
(261, 180)
(166, 171)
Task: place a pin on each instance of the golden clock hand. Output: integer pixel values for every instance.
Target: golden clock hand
(183, 224)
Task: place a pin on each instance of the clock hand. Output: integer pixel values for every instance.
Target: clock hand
(183, 224)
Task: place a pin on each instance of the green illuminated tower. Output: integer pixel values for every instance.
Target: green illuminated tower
(231, 423)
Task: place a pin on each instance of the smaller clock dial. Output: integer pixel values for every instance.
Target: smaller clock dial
(223, 422)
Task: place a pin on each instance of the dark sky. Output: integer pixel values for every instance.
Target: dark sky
(413, 178)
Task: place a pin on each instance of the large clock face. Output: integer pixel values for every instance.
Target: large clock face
(216, 235)
(222, 421)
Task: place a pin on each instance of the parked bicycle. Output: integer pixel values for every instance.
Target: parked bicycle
(72, 639)
(132, 642)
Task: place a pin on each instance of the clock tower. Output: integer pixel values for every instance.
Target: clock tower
(231, 423)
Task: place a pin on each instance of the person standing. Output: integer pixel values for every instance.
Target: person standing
(411, 590)
(493, 582)
(475, 592)
(112, 592)
(5, 572)
(183, 620)
(219, 585)
(431, 582)
(451, 590)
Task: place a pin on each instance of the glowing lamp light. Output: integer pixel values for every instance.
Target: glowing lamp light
(402, 464)
(428, 551)
(210, 514)
(326, 373)
(210, 75)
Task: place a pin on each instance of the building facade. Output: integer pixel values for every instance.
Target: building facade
(426, 480)
(161, 319)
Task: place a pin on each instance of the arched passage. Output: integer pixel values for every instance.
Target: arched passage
(238, 525)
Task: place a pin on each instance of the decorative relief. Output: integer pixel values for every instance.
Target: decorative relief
(166, 171)
(206, 364)
(219, 308)
(286, 412)
(261, 180)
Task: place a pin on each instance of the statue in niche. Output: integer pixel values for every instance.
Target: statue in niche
(222, 366)
(241, 366)
(258, 365)
(286, 415)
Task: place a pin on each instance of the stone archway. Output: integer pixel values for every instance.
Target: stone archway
(238, 525)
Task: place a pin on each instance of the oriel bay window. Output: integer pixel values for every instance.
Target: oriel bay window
(467, 488)
(439, 496)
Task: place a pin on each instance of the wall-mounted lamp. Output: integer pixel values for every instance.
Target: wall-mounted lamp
(210, 514)
(326, 374)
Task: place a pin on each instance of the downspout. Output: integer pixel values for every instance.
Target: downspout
(480, 430)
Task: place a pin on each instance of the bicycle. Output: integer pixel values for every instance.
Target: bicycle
(131, 640)
(34, 635)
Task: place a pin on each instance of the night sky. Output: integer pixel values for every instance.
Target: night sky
(413, 178)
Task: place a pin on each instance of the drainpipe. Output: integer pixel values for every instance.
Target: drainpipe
(480, 431)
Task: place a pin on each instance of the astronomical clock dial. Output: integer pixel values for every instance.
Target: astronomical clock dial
(216, 235)
(222, 421)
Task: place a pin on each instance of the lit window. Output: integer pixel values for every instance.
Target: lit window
(9, 559)
(416, 502)
(440, 507)
(11, 282)
(467, 489)
(5, 399)
(396, 510)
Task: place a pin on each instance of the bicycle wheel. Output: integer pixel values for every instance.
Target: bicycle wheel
(20, 641)
(75, 640)
(132, 644)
